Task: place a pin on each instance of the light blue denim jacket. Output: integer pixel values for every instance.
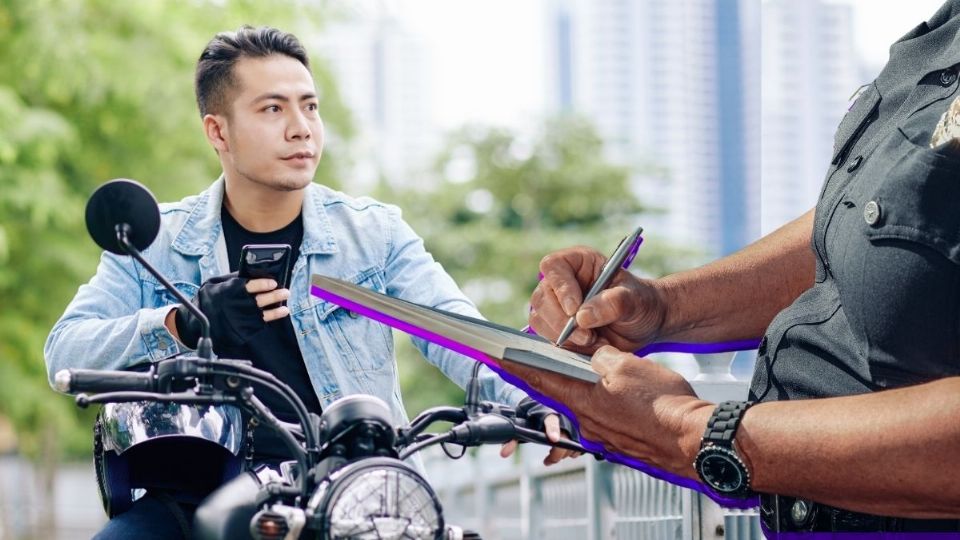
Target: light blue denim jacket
(117, 319)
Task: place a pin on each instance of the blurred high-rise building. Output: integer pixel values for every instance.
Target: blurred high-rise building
(810, 70)
(383, 75)
(673, 87)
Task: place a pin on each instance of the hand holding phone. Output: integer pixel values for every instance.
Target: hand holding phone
(266, 261)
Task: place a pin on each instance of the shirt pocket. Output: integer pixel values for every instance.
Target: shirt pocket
(364, 345)
(906, 271)
(918, 199)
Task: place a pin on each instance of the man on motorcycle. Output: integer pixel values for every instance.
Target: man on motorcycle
(260, 113)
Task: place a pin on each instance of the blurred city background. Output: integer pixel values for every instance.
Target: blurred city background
(504, 129)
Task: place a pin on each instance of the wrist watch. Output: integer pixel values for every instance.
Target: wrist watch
(718, 463)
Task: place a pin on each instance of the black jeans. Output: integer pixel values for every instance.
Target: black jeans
(786, 514)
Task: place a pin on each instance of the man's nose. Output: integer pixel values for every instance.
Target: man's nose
(298, 127)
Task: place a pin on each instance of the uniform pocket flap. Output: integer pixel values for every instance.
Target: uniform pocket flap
(918, 201)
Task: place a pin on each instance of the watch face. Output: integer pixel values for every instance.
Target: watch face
(722, 471)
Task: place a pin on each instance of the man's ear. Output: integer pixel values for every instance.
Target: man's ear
(215, 128)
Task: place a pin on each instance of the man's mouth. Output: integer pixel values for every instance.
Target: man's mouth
(300, 155)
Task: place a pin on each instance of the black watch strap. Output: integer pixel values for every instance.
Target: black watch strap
(724, 422)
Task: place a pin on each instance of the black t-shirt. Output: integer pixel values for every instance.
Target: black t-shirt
(274, 348)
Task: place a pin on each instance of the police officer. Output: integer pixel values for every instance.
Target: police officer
(858, 296)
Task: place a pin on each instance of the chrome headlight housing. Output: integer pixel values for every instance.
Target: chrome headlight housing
(376, 499)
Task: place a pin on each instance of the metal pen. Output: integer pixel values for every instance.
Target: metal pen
(614, 263)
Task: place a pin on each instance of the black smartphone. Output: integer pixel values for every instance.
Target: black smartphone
(265, 261)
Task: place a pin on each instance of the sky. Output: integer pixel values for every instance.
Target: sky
(878, 23)
(489, 56)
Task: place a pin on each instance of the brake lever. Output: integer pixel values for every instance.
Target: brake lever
(83, 400)
(538, 437)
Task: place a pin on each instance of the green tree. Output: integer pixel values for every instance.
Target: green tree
(92, 90)
(496, 203)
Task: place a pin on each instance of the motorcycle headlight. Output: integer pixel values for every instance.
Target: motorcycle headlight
(378, 499)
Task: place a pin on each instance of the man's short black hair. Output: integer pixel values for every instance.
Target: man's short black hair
(214, 77)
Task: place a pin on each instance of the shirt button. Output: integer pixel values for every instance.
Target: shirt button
(856, 164)
(799, 512)
(948, 77)
(353, 314)
(871, 213)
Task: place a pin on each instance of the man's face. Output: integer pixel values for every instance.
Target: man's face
(273, 133)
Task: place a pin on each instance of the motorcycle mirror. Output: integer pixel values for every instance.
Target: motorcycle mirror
(123, 202)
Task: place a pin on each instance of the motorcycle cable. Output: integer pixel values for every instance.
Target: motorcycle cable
(304, 419)
(265, 377)
(416, 447)
(426, 418)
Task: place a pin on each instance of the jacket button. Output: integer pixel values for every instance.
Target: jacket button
(871, 213)
(948, 77)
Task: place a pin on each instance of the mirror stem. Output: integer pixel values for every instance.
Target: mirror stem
(205, 344)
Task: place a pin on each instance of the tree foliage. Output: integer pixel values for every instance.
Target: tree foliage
(89, 91)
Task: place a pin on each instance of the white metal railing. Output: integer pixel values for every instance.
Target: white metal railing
(585, 499)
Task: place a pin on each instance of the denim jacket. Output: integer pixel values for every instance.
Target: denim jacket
(117, 319)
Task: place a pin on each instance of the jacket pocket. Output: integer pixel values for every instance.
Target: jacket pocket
(165, 298)
(364, 344)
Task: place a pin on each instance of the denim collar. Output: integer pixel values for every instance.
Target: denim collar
(200, 231)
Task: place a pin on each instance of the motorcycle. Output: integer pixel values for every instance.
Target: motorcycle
(348, 476)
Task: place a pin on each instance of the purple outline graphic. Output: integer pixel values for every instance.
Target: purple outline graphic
(491, 363)
(700, 348)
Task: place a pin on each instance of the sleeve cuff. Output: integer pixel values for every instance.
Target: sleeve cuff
(157, 339)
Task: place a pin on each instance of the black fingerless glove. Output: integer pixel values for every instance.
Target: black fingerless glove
(535, 413)
(232, 311)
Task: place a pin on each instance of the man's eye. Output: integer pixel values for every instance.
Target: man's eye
(272, 108)
(312, 107)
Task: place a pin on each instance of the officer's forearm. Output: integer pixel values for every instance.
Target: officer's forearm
(887, 453)
(736, 297)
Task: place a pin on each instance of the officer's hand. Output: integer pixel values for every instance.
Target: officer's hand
(234, 307)
(638, 408)
(627, 315)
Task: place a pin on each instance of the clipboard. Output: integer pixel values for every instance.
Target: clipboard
(476, 338)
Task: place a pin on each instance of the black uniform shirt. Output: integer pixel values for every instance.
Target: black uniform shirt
(885, 307)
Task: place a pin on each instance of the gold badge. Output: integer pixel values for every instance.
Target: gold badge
(948, 128)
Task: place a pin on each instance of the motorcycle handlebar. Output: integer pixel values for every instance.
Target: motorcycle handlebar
(94, 380)
(486, 428)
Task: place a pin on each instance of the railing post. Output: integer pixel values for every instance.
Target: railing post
(601, 513)
(715, 382)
